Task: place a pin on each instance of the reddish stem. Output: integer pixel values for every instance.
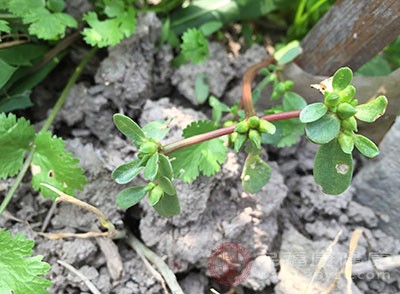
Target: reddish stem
(223, 131)
(248, 77)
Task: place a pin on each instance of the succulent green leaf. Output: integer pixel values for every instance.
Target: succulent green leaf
(155, 195)
(267, 127)
(288, 53)
(19, 270)
(331, 98)
(201, 88)
(164, 166)
(347, 93)
(349, 124)
(129, 128)
(53, 165)
(125, 173)
(256, 173)
(131, 196)
(166, 185)
(342, 78)
(333, 169)
(15, 137)
(255, 138)
(323, 130)
(239, 142)
(371, 111)
(168, 205)
(156, 130)
(366, 146)
(346, 142)
(313, 112)
(151, 170)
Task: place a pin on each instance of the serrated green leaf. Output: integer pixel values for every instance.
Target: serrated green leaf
(15, 138)
(164, 166)
(194, 46)
(166, 185)
(256, 173)
(6, 71)
(168, 205)
(288, 53)
(333, 169)
(20, 271)
(293, 101)
(156, 130)
(53, 165)
(129, 128)
(205, 157)
(346, 142)
(201, 88)
(342, 78)
(4, 26)
(313, 112)
(125, 173)
(47, 25)
(151, 170)
(109, 32)
(371, 111)
(323, 130)
(130, 196)
(366, 146)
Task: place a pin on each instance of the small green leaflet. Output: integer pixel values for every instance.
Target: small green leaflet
(19, 271)
(333, 169)
(151, 169)
(168, 205)
(366, 146)
(125, 173)
(43, 23)
(205, 157)
(201, 88)
(288, 53)
(217, 109)
(131, 196)
(15, 138)
(371, 111)
(256, 173)
(156, 130)
(194, 46)
(54, 166)
(109, 32)
(323, 130)
(342, 78)
(313, 112)
(129, 128)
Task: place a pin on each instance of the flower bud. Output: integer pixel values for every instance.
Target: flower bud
(266, 127)
(242, 127)
(155, 195)
(253, 122)
(255, 138)
(148, 148)
(346, 110)
(349, 124)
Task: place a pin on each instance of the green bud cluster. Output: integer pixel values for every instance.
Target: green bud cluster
(251, 129)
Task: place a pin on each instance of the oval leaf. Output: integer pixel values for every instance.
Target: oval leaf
(168, 206)
(342, 78)
(151, 169)
(346, 142)
(164, 166)
(371, 111)
(127, 172)
(166, 185)
(313, 112)
(323, 130)
(366, 146)
(333, 169)
(288, 53)
(129, 128)
(256, 173)
(130, 196)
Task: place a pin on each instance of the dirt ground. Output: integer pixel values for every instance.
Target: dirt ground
(286, 227)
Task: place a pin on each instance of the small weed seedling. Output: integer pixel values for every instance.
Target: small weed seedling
(331, 124)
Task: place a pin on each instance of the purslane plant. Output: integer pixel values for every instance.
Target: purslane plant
(331, 124)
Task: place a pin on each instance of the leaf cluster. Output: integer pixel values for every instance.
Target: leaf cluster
(333, 124)
(51, 163)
